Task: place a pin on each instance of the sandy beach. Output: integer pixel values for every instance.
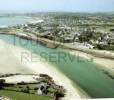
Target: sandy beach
(20, 78)
(13, 55)
(106, 64)
(8, 61)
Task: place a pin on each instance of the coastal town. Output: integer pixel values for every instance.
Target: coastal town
(90, 34)
(56, 49)
(92, 31)
(84, 30)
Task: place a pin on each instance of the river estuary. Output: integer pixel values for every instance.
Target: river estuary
(86, 74)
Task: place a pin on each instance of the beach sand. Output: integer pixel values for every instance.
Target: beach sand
(106, 64)
(8, 62)
(11, 62)
(20, 78)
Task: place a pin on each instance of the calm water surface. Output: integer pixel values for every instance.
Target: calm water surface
(86, 74)
(9, 21)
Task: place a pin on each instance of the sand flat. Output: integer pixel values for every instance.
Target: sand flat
(12, 55)
(107, 64)
(8, 62)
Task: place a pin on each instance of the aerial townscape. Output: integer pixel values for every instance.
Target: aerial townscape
(57, 55)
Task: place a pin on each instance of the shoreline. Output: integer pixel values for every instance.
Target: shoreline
(54, 44)
(104, 63)
(47, 68)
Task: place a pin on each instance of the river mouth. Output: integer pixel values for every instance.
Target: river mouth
(84, 73)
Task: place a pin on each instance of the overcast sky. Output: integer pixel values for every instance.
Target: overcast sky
(56, 5)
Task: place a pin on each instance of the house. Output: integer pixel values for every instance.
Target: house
(43, 89)
(86, 45)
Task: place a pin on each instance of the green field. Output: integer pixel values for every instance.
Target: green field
(22, 96)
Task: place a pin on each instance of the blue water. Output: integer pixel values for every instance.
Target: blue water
(86, 74)
(11, 21)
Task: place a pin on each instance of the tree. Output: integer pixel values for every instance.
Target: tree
(2, 82)
(26, 90)
(58, 95)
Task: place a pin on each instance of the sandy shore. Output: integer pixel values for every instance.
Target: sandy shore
(8, 62)
(13, 55)
(20, 78)
(106, 64)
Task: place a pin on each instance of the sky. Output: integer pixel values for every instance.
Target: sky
(56, 6)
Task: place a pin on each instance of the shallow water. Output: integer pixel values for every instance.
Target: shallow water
(82, 72)
(11, 21)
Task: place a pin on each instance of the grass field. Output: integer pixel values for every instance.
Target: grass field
(22, 96)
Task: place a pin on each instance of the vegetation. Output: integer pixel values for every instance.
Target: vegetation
(2, 83)
(105, 47)
(94, 29)
(22, 96)
(45, 84)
